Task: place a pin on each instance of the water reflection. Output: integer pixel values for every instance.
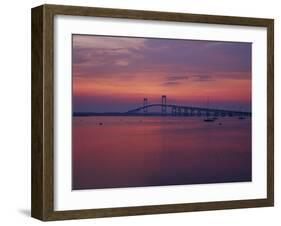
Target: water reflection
(121, 151)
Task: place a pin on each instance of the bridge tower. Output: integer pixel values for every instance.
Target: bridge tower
(145, 103)
(164, 104)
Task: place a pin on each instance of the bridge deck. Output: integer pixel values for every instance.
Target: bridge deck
(189, 108)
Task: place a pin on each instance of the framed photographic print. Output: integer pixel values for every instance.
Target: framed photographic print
(141, 112)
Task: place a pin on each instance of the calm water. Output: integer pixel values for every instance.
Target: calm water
(153, 151)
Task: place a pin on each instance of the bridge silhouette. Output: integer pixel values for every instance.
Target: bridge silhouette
(170, 110)
(181, 110)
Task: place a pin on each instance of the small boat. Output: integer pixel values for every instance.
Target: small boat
(241, 115)
(209, 119)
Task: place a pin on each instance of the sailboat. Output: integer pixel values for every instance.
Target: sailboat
(208, 119)
(241, 116)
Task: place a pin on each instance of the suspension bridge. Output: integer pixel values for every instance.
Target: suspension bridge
(170, 110)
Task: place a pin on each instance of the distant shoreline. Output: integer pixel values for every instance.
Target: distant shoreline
(81, 114)
(89, 114)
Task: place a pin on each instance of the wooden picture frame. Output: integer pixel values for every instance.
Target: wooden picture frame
(43, 112)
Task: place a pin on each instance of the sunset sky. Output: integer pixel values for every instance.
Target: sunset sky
(114, 74)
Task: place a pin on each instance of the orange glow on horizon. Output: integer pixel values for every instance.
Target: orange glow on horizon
(138, 87)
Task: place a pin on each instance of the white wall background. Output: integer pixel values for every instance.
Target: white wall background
(15, 112)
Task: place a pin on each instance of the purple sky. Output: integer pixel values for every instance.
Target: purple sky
(115, 73)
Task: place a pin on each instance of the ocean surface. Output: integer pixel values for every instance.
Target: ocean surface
(119, 151)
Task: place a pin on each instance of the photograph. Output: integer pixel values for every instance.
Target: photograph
(152, 111)
(138, 112)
